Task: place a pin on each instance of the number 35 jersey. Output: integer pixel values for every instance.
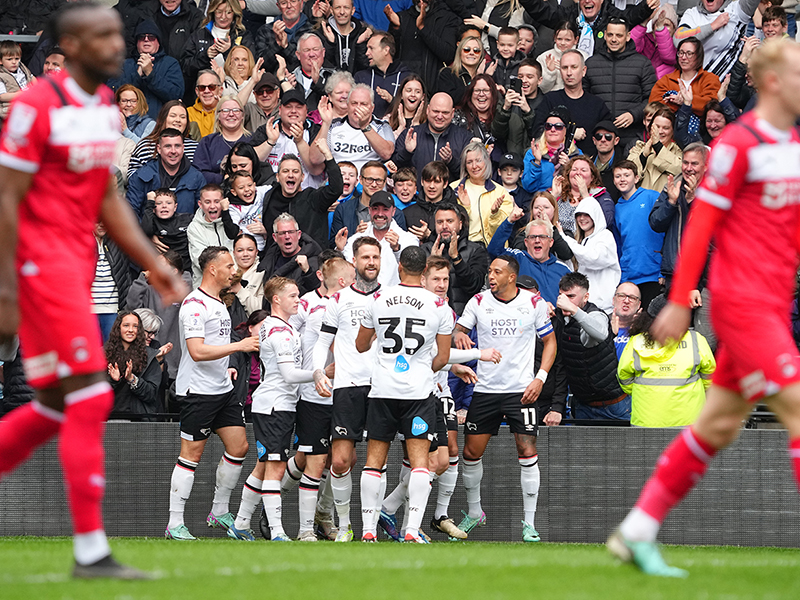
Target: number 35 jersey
(406, 320)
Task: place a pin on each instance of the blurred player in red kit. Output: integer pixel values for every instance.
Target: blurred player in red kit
(749, 202)
(55, 154)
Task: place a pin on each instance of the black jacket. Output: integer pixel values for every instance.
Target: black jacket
(177, 29)
(422, 210)
(171, 232)
(739, 91)
(428, 147)
(468, 275)
(16, 390)
(586, 111)
(670, 219)
(427, 50)
(623, 81)
(267, 48)
(143, 400)
(120, 268)
(305, 281)
(453, 85)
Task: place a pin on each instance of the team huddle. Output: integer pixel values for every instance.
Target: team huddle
(354, 361)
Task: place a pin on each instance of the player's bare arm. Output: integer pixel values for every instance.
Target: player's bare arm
(461, 338)
(548, 357)
(200, 351)
(443, 354)
(365, 337)
(15, 186)
(124, 229)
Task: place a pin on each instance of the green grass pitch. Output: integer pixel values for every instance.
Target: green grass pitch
(37, 569)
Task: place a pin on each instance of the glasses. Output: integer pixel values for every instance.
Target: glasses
(266, 90)
(287, 232)
(231, 111)
(537, 236)
(686, 53)
(123, 101)
(373, 180)
(150, 334)
(603, 136)
(483, 92)
(471, 50)
(556, 126)
(147, 37)
(211, 87)
(624, 297)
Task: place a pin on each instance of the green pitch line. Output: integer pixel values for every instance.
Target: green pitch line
(37, 568)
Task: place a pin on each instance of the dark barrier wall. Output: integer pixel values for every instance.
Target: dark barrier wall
(590, 478)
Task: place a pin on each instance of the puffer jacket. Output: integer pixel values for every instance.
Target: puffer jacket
(597, 256)
(623, 80)
(176, 29)
(668, 383)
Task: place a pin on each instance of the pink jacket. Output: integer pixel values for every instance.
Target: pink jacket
(657, 46)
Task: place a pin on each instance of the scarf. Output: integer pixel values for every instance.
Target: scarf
(586, 39)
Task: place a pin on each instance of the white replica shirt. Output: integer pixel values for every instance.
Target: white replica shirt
(389, 258)
(342, 320)
(206, 317)
(247, 214)
(279, 343)
(512, 328)
(286, 145)
(407, 320)
(307, 322)
(350, 144)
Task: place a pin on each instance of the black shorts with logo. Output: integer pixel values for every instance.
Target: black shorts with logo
(449, 410)
(203, 413)
(440, 425)
(313, 427)
(349, 416)
(415, 419)
(273, 434)
(486, 411)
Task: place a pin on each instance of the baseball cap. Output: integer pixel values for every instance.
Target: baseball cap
(656, 305)
(606, 126)
(267, 80)
(510, 160)
(526, 282)
(293, 96)
(383, 198)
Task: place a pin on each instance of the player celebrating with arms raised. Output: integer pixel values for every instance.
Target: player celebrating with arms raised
(55, 154)
(509, 319)
(751, 191)
(413, 328)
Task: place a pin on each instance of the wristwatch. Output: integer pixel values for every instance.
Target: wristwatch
(367, 129)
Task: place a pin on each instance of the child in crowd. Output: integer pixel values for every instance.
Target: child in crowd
(509, 170)
(164, 225)
(14, 76)
(350, 179)
(405, 187)
(507, 57)
(565, 38)
(247, 206)
(527, 40)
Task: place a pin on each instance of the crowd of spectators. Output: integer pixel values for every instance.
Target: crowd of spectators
(571, 136)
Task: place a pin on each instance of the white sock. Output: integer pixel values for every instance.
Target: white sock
(272, 506)
(251, 496)
(529, 478)
(473, 473)
(291, 476)
(370, 499)
(447, 485)
(228, 471)
(398, 495)
(307, 503)
(180, 488)
(342, 488)
(90, 547)
(419, 488)
(638, 526)
(325, 496)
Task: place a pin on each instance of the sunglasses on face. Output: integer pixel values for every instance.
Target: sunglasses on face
(211, 88)
(147, 37)
(603, 136)
(471, 50)
(556, 126)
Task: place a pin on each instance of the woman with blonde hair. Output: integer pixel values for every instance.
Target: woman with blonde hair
(228, 131)
(133, 106)
(470, 60)
(487, 203)
(239, 70)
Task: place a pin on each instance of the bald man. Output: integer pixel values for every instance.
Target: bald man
(436, 139)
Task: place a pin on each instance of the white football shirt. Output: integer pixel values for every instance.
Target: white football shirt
(350, 144)
(206, 317)
(407, 320)
(512, 328)
(279, 343)
(307, 322)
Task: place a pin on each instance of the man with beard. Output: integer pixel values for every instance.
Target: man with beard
(388, 233)
(436, 139)
(351, 385)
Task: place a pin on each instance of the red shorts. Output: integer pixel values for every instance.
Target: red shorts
(59, 335)
(757, 355)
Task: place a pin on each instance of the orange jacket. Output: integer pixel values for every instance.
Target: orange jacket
(704, 87)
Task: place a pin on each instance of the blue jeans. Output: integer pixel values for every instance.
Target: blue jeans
(620, 411)
(106, 321)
